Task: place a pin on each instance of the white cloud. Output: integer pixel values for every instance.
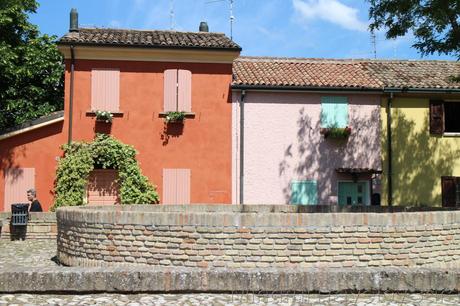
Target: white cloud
(332, 11)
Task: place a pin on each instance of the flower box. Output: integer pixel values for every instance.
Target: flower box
(338, 133)
(104, 116)
(175, 117)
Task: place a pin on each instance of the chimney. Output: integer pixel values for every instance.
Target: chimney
(73, 20)
(204, 26)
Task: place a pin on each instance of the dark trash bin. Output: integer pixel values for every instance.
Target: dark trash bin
(19, 218)
(375, 200)
(19, 214)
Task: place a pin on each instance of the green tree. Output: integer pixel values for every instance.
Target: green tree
(435, 23)
(31, 69)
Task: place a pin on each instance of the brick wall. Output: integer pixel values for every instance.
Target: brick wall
(257, 236)
(40, 226)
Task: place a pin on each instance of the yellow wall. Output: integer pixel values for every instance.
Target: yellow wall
(419, 159)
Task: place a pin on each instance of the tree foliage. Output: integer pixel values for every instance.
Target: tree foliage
(105, 152)
(31, 69)
(435, 23)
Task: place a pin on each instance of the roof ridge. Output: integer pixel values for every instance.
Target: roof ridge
(343, 60)
(148, 30)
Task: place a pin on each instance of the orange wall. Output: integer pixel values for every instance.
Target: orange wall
(37, 149)
(205, 144)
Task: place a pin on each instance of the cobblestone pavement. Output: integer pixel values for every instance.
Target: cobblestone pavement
(228, 299)
(28, 253)
(39, 253)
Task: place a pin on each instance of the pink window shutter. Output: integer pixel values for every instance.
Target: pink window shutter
(170, 90)
(105, 89)
(176, 186)
(183, 186)
(17, 182)
(185, 91)
(103, 188)
(169, 182)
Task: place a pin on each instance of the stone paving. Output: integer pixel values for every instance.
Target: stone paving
(228, 299)
(39, 253)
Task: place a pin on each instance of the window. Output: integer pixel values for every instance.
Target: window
(334, 112)
(304, 193)
(176, 186)
(444, 117)
(351, 193)
(450, 186)
(105, 90)
(177, 90)
(17, 182)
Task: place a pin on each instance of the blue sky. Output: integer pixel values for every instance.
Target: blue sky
(286, 28)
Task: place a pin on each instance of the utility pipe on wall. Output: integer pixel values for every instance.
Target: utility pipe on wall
(243, 95)
(390, 153)
(72, 68)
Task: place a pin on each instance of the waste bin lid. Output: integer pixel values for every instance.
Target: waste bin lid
(21, 206)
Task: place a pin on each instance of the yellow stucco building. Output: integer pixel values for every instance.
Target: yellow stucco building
(425, 149)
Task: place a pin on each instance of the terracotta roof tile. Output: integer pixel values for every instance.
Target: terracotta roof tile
(153, 39)
(369, 74)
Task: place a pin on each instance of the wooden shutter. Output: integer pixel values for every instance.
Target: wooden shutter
(185, 91)
(17, 182)
(448, 191)
(436, 117)
(105, 89)
(176, 186)
(170, 90)
(304, 192)
(102, 187)
(334, 111)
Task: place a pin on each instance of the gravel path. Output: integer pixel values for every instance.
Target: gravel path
(39, 253)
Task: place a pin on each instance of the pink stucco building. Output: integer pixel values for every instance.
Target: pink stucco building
(287, 156)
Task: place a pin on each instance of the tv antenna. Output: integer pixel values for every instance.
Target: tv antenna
(232, 18)
(374, 44)
(171, 15)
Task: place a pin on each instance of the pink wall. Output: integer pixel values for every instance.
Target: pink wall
(283, 143)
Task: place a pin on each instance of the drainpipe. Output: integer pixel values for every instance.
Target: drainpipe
(243, 95)
(72, 68)
(390, 152)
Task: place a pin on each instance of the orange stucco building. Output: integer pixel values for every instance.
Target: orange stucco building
(138, 76)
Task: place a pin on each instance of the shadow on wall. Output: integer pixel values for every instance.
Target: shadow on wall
(314, 157)
(171, 129)
(14, 148)
(419, 161)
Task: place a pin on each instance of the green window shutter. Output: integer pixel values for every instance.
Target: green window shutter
(334, 112)
(304, 192)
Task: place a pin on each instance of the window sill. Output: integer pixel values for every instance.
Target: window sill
(115, 114)
(187, 115)
(452, 134)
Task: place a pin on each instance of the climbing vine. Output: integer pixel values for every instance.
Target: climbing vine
(105, 152)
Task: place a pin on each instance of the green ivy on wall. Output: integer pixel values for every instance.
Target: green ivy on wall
(105, 152)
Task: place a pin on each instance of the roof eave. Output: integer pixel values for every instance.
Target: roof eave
(303, 88)
(70, 43)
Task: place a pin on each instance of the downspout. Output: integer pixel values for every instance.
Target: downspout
(72, 68)
(390, 152)
(243, 95)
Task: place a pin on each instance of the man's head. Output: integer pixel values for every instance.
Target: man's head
(31, 194)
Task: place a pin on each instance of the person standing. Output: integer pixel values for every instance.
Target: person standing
(35, 205)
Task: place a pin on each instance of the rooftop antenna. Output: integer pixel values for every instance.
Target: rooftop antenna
(171, 14)
(232, 18)
(374, 44)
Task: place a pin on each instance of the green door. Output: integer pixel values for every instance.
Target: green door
(353, 193)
